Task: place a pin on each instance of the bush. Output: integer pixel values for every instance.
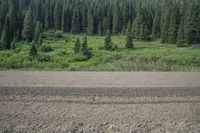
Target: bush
(67, 39)
(43, 58)
(62, 53)
(46, 48)
(80, 57)
(59, 34)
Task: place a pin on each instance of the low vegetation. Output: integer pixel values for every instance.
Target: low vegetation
(59, 54)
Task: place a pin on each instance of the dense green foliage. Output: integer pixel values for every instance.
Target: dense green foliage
(42, 30)
(150, 19)
(146, 56)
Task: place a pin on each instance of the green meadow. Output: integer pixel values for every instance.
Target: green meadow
(57, 54)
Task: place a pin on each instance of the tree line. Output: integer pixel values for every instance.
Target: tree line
(174, 21)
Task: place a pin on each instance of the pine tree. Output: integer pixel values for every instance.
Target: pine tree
(180, 38)
(7, 35)
(32, 51)
(63, 24)
(108, 45)
(139, 20)
(37, 33)
(166, 22)
(75, 23)
(46, 24)
(156, 26)
(90, 28)
(116, 20)
(129, 39)
(84, 47)
(58, 15)
(12, 17)
(77, 46)
(13, 44)
(125, 15)
(84, 19)
(192, 32)
(28, 27)
(173, 26)
(134, 29)
(40, 40)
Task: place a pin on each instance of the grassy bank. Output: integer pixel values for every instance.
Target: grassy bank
(147, 56)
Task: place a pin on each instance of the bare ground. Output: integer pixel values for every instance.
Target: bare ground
(89, 102)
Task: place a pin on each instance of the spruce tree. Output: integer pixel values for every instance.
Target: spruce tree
(108, 45)
(166, 22)
(139, 20)
(7, 35)
(90, 28)
(116, 20)
(63, 24)
(125, 15)
(84, 47)
(28, 27)
(32, 51)
(129, 39)
(77, 46)
(12, 17)
(173, 26)
(75, 23)
(38, 31)
(13, 44)
(156, 26)
(58, 15)
(40, 40)
(47, 20)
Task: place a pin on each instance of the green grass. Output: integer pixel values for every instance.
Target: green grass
(146, 56)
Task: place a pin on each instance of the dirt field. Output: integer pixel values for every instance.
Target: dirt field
(88, 102)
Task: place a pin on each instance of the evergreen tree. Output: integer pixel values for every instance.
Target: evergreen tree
(7, 35)
(47, 21)
(63, 21)
(139, 20)
(13, 44)
(90, 28)
(116, 20)
(173, 26)
(40, 40)
(37, 33)
(192, 32)
(108, 45)
(156, 26)
(32, 51)
(180, 38)
(12, 17)
(75, 23)
(125, 15)
(129, 39)
(77, 46)
(166, 22)
(58, 15)
(28, 27)
(84, 47)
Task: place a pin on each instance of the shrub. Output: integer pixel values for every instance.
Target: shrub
(80, 57)
(46, 48)
(59, 34)
(67, 39)
(62, 53)
(43, 58)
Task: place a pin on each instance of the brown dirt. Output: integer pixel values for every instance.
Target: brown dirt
(108, 102)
